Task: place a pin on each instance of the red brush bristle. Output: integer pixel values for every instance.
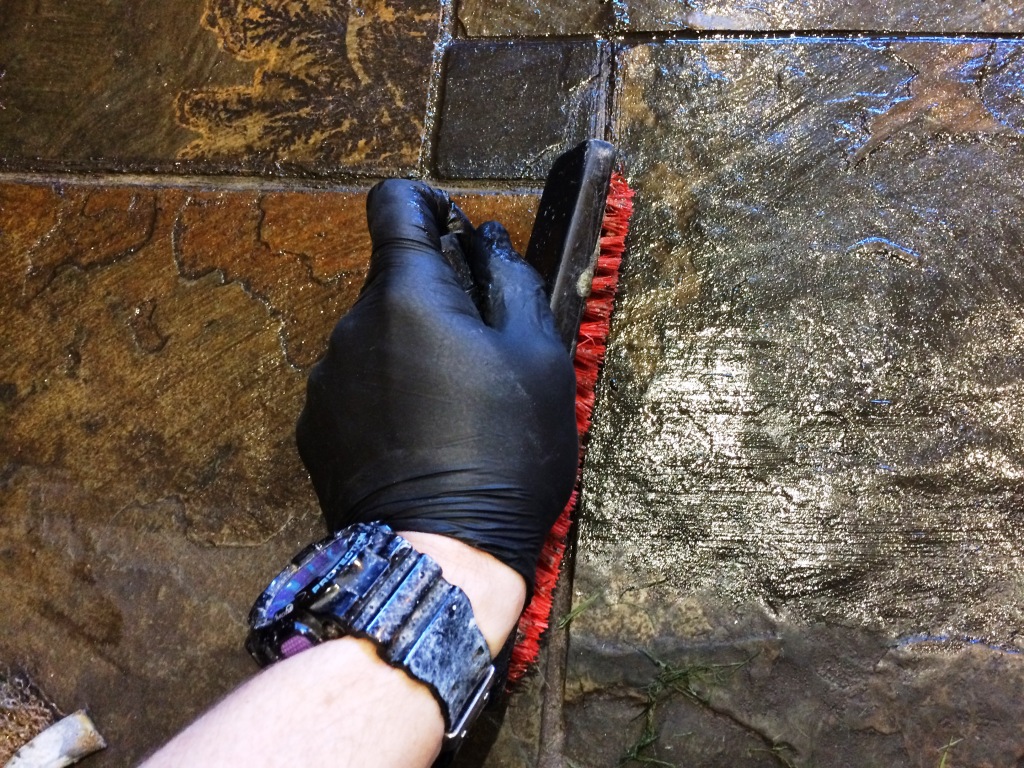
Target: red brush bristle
(590, 350)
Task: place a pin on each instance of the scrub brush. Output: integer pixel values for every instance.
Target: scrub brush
(577, 244)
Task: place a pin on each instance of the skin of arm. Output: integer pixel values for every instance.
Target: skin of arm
(339, 704)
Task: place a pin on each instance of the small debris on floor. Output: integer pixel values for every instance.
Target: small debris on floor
(33, 732)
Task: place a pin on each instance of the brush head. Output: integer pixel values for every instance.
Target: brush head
(578, 241)
(564, 245)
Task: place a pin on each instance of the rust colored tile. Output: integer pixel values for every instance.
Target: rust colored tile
(326, 231)
(515, 212)
(152, 364)
(247, 240)
(222, 86)
(26, 215)
(511, 108)
(106, 225)
(152, 350)
(919, 16)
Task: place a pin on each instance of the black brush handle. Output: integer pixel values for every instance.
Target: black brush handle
(565, 242)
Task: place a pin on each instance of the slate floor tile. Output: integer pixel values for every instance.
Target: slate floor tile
(811, 395)
(516, 212)
(754, 691)
(528, 17)
(153, 353)
(225, 86)
(918, 16)
(524, 18)
(149, 475)
(801, 517)
(511, 108)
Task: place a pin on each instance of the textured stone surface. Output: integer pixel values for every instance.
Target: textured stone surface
(813, 388)
(802, 538)
(736, 686)
(277, 87)
(515, 211)
(338, 87)
(479, 18)
(87, 84)
(153, 357)
(816, 378)
(149, 480)
(916, 16)
(511, 108)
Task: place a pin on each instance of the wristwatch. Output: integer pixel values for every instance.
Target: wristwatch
(366, 581)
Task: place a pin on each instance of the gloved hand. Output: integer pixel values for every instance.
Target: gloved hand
(439, 412)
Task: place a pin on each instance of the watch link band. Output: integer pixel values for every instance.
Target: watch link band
(366, 581)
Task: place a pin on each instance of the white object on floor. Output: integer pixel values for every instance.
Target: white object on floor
(65, 742)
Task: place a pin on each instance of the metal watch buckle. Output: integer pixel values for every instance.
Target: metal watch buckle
(454, 738)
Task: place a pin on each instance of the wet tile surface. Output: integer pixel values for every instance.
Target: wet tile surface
(522, 18)
(149, 478)
(283, 88)
(801, 542)
(736, 686)
(154, 349)
(917, 16)
(516, 213)
(813, 381)
(497, 123)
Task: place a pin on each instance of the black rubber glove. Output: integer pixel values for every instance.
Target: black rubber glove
(435, 412)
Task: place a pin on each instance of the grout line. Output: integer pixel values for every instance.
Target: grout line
(551, 742)
(352, 185)
(611, 93)
(449, 35)
(811, 35)
(551, 747)
(86, 178)
(435, 90)
(582, 37)
(750, 35)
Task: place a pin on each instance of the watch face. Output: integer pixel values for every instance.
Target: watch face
(302, 580)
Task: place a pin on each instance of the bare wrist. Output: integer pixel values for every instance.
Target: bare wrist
(496, 591)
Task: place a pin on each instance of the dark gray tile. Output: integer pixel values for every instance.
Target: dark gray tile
(754, 691)
(816, 349)
(513, 18)
(511, 108)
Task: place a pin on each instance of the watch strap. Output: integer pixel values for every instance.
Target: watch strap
(384, 590)
(425, 626)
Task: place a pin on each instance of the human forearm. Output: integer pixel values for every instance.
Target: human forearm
(338, 703)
